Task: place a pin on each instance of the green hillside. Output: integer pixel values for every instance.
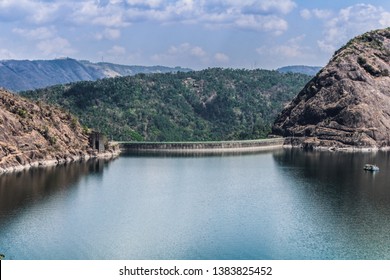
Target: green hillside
(213, 104)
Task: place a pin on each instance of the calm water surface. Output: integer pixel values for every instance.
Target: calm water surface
(285, 204)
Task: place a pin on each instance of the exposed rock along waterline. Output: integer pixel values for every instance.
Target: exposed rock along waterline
(36, 134)
(347, 104)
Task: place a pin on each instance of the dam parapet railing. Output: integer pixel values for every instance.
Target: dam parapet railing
(202, 147)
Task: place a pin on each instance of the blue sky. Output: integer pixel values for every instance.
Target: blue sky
(190, 33)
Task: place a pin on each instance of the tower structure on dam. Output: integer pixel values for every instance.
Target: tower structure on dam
(97, 141)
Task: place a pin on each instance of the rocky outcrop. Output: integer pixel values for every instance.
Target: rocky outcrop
(347, 104)
(36, 134)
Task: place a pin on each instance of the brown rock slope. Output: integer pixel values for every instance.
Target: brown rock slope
(33, 134)
(347, 105)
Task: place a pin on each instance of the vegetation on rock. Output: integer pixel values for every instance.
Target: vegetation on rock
(33, 132)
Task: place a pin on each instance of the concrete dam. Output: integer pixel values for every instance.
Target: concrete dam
(208, 147)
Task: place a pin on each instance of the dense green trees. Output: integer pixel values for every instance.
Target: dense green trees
(213, 104)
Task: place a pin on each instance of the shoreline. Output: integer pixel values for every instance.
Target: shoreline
(187, 148)
(338, 149)
(314, 144)
(118, 148)
(55, 162)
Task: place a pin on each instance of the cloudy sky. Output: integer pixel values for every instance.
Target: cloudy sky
(189, 33)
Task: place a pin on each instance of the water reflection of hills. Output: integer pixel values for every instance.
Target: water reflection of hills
(340, 168)
(346, 210)
(19, 189)
(338, 182)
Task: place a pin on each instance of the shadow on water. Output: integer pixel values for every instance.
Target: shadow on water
(342, 170)
(343, 203)
(18, 190)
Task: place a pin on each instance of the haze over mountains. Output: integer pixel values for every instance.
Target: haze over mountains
(302, 69)
(19, 75)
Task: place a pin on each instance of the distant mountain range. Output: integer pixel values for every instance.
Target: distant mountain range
(19, 75)
(302, 69)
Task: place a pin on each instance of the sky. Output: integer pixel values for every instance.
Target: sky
(197, 34)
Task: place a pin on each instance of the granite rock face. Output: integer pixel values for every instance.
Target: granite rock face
(347, 104)
(33, 134)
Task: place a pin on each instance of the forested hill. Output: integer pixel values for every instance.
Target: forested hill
(213, 104)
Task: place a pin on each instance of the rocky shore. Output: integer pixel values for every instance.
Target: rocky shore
(33, 134)
(317, 145)
(110, 154)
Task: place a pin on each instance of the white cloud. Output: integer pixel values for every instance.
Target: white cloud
(259, 15)
(109, 33)
(264, 7)
(135, 57)
(186, 49)
(92, 12)
(46, 40)
(282, 6)
(385, 19)
(147, 3)
(6, 54)
(262, 23)
(185, 6)
(198, 52)
(306, 14)
(322, 14)
(44, 12)
(40, 33)
(316, 13)
(350, 22)
(117, 51)
(326, 46)
(183, 54)
(221, 58)
(37, 12)
(56, 47)
(10, 11)
(292, 49)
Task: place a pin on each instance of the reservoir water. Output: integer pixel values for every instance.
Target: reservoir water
(282, 204)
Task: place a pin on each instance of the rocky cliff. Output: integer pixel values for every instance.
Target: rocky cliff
(34, 134)
(347, 104)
